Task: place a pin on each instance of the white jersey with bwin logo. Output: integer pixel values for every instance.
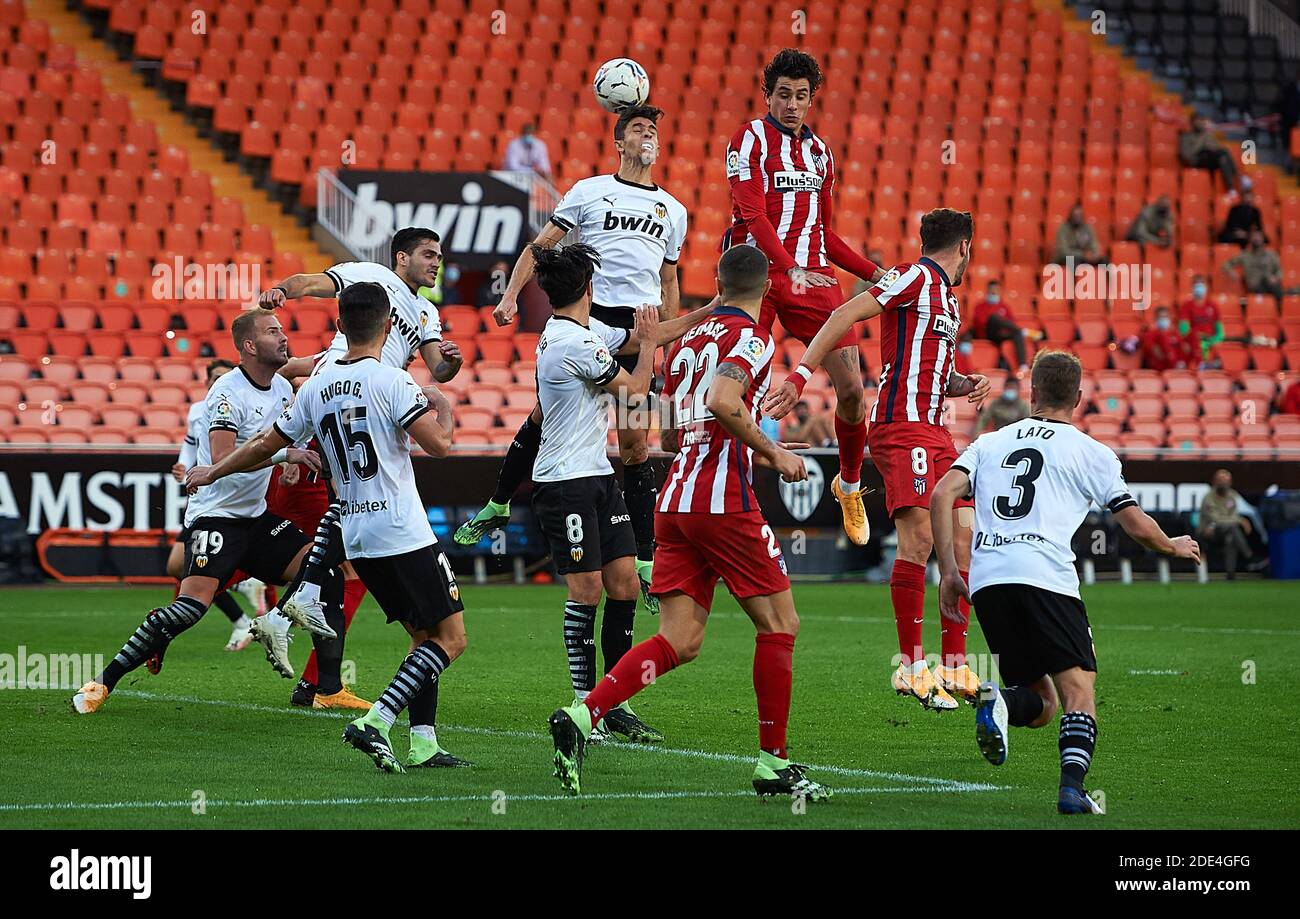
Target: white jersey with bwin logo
(359, 411)
(635, 228)
(573, 363)
(1033, 482)
(415, 319)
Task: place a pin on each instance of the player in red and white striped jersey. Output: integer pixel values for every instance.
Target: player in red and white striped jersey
(708, 525)
(782, 175)
(909, 444)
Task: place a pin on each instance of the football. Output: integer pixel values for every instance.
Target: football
(620, 83)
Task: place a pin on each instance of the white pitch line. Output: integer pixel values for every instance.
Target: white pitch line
(937, 783)
(188, 804)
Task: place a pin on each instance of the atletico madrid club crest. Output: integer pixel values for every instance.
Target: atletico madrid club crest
(919, 484)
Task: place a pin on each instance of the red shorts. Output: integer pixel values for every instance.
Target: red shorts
(303, 504)
(912, 457)
(802, 314)
(692, 551)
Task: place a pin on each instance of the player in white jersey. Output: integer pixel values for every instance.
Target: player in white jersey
(196, 428)
(228, 527)
(364, 414)
(576, 498)
(1033, 483)
(638, 230)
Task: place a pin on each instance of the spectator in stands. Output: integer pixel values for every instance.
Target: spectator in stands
(1161, 345)
(493, 286)
(449, 281)
(807, 427)
(1154, 224)
(1261, 269)
(1006, 410)
(994, 322)
(1220, 523)
(1289, 108)
(1077, 240)
(527, 153)
(1200, 149)
(1243, 219)
(1288, 400)
(1198, 319)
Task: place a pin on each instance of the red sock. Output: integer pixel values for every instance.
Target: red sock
(353, 593)
(953, 636)
(852, 439)
(907, 591)
(272, 597)
(635, 670)
(773, 676)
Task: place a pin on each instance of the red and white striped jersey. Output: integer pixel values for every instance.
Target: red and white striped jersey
(789, 178)
(918, 337)
(713, 472)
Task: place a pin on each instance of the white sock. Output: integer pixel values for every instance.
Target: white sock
(426, 731)
(849, 487)
(243, 621)
(307, 593)
(384, 713)
(580, 695)
(916, 666)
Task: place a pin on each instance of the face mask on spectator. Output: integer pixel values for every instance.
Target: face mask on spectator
(1198, 291)
(965, 347)
(994, 298)
(1011, 395)
(1221, 489)
(451, 274)
(1162, 324)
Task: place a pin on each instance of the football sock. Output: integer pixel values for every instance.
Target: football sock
(152, 636)
(423, 710)
(773, 676)
(353, 593)
(326, 553)
(580, 643)
(228, 605)
(422, 666)
(328, 652)
(852, 439)
(1078, 738)
(639, 667)
(518, 463)
(953, 635)
(639, 492)
(907, 592)
(616, 630)
(1023, 705)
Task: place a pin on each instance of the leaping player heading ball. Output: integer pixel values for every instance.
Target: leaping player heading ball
(781, 176)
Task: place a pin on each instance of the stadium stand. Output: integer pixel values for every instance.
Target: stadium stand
(1039, 112)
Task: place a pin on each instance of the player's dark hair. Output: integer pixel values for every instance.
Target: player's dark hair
(408, 239)
(564, 272)
(794, 65)
(741, 272)
(942, 228)
(363, 312)
(1056, 376)
(634, 111)
(245, 327)
(219, 364)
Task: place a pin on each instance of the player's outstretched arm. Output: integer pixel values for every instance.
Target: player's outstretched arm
(261, 450)
(783, 398)
(646, 335)
(505, 311)
(952, 588)
(1138, 524)
(671, 296)
(726, 401)
(433, 430)
(974, 386)
(298, 367)
(672, 329)
(295, 286)
(443, 358)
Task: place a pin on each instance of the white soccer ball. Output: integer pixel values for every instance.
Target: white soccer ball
(620, 83)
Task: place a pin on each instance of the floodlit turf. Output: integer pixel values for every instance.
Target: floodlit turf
(1184, 741)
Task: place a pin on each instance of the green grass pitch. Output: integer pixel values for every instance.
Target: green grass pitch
(1197, 695)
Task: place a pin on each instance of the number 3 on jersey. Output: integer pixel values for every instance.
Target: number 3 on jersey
(689, 398)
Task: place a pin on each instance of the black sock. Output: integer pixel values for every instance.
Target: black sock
(518, 464)
(329, 651)
(424, 707)
(228, 605)
(421, 667)
(326, 551)
(616, 630)
(639, 492)
(152, 636)
(1078, 739)
(1023, 705)
(580, 643)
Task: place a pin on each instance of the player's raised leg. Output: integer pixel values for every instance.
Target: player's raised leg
(616, 632)
(515, 468)
(844, 369)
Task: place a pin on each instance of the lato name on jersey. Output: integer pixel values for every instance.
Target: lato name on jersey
(647, 224)
(338, 388)
(796, 181)
(1046, 432)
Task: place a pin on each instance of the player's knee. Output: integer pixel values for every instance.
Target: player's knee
(454, 644)
(586, 589)
(687, 647)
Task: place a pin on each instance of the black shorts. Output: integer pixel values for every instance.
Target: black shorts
(1034, 632)
(620, 318)
(585, 522)
(417, 588)
(261, 547)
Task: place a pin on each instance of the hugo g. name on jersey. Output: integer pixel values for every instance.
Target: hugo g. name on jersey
(573, 363)
(415, 319)
(359, 410)
(1033, 482)
(236, 404)
(635, 228)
